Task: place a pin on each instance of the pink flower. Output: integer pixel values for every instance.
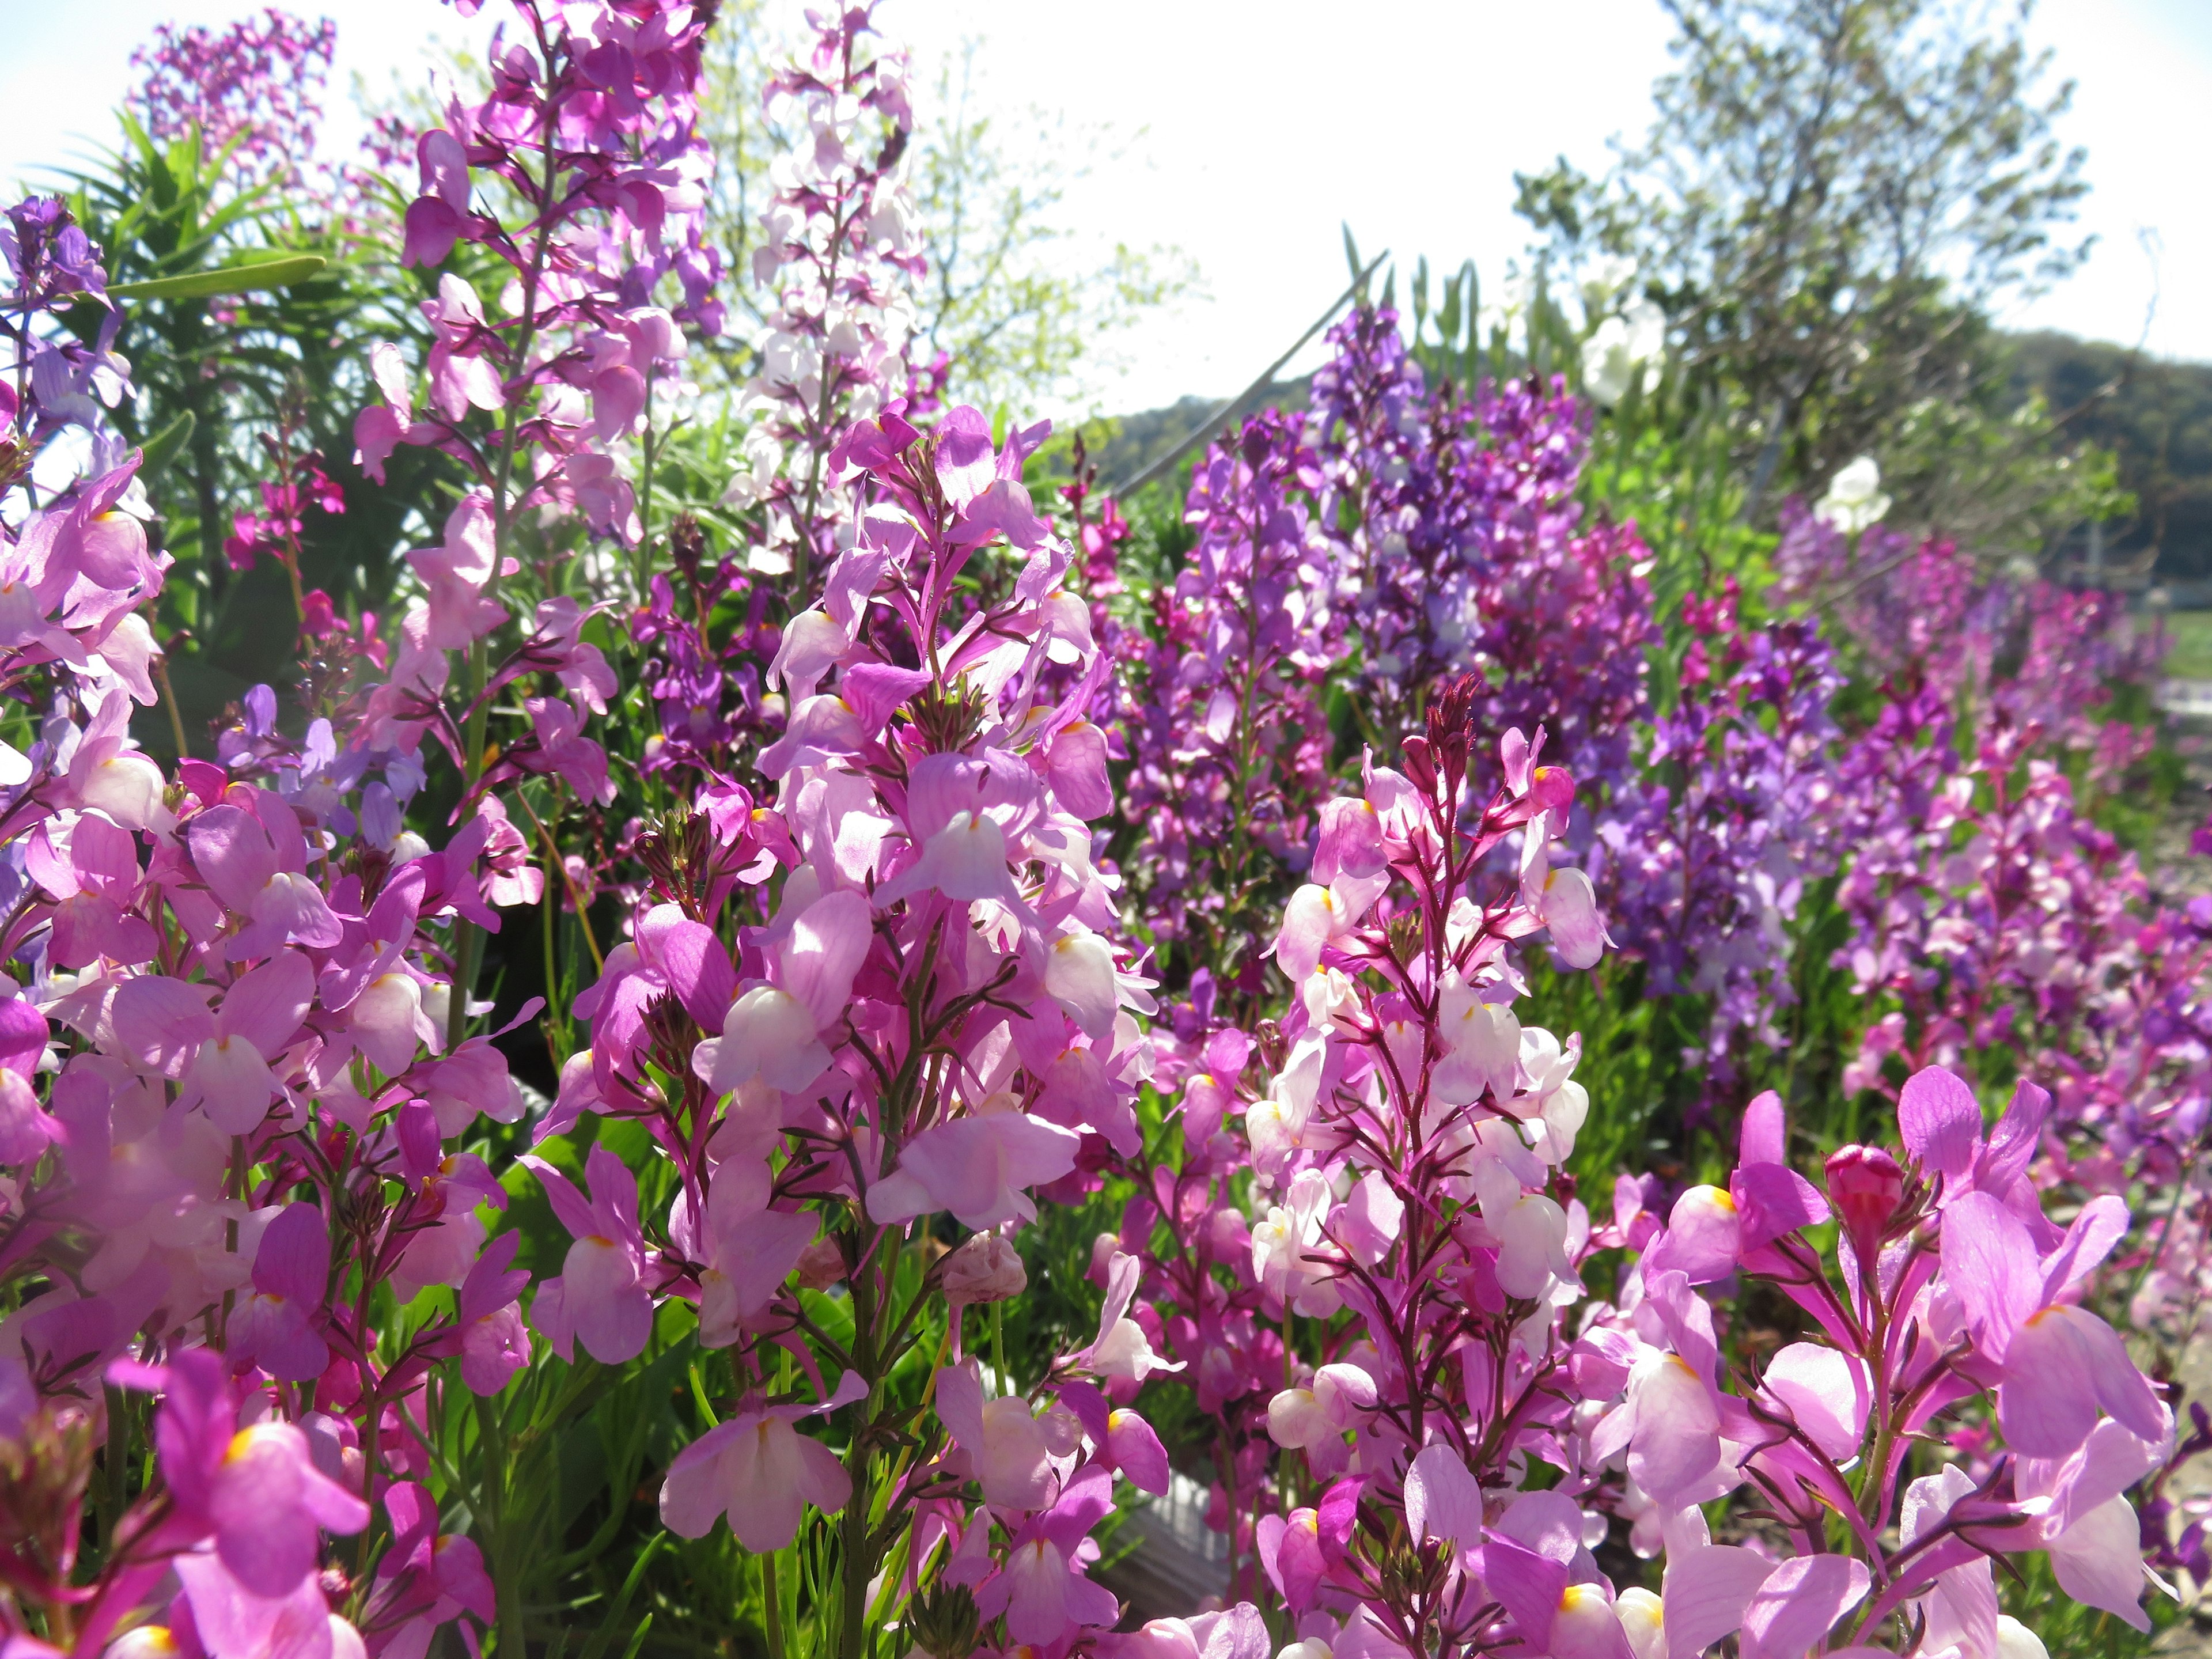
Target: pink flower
(978, 1168)
(2057, 1363)
(1010, 1448)
(761, 1472)
(455, 574)
(965, 860)
(1314, 1419)
(1122, 1352)
(93, 871)
(1042, 1588)
(426, 1578)
(381, 427)
(256, 1490)
(489, 1333)
(108, 775)
(601, 1297)
(774, 1029)
(256, 862)
(1122, 1441)
(751, 1251)
(565, 751)
(276, 1326)
(1800, 1602)
(258, 1019)
(436, 218)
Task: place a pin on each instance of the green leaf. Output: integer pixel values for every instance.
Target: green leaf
(165, 446)
(226, 279)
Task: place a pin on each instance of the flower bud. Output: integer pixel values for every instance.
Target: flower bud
(987, 1268)
(821, 1265)
(942, 1621)
(1865, 1187)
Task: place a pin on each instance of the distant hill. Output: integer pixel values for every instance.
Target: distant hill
(2157, 420)
(1139, 440)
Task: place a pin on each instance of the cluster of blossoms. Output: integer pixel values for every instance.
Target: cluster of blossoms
(840, 252)
(1229, 744)
(51, 384)
(878, 1003)
(1467, 550)
(839, 249)
(1385, 1349)
(1948, 1284)
(1984, 903)
(228, 1095)
(932, 1020)
(1393, 1192)
(1994, 917)
(254, 90)
(1446, 537)
(1704, 860)
(592, 126)
(244, 990)
(1925, 613)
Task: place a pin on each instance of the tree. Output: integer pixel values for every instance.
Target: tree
(1018, 313)
(1834, 198)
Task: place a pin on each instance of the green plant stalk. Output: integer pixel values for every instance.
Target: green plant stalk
(859, 1565)
(468, 940)
(772, 1599)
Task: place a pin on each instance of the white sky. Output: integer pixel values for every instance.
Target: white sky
(1245, 133)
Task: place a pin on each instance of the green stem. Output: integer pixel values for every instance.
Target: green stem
(468, 937)
(772, 1596)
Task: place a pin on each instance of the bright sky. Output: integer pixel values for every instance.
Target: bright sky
(1247, 143)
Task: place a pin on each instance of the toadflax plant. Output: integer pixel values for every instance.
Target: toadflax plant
(324, 1335)
(931, 1020)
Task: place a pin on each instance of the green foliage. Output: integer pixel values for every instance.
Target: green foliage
(249, 322)
(1830, 200)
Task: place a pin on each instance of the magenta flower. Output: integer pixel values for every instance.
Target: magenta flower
(1121, 1440)
(774, 1029)
(95, 884)
(1042, 1588)
(2057, 1363)
(563, 751)
(493, 1344)
(978, 1168)
(1010, 1449)
(255, 1491)
(456, 574)
(761, 1472)
(258, 1020)
(426, 1578)
(601, 1297)
(276, 1326)
(256, 863)
(436, 219)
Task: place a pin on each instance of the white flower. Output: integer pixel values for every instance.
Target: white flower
(1610, 357)
(1611, 273)
(1854, 500)
(1516, 296)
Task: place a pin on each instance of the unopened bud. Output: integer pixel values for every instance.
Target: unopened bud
(821, 1265)
(987, 1268)
(1865, 1187)
(942, 1621)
